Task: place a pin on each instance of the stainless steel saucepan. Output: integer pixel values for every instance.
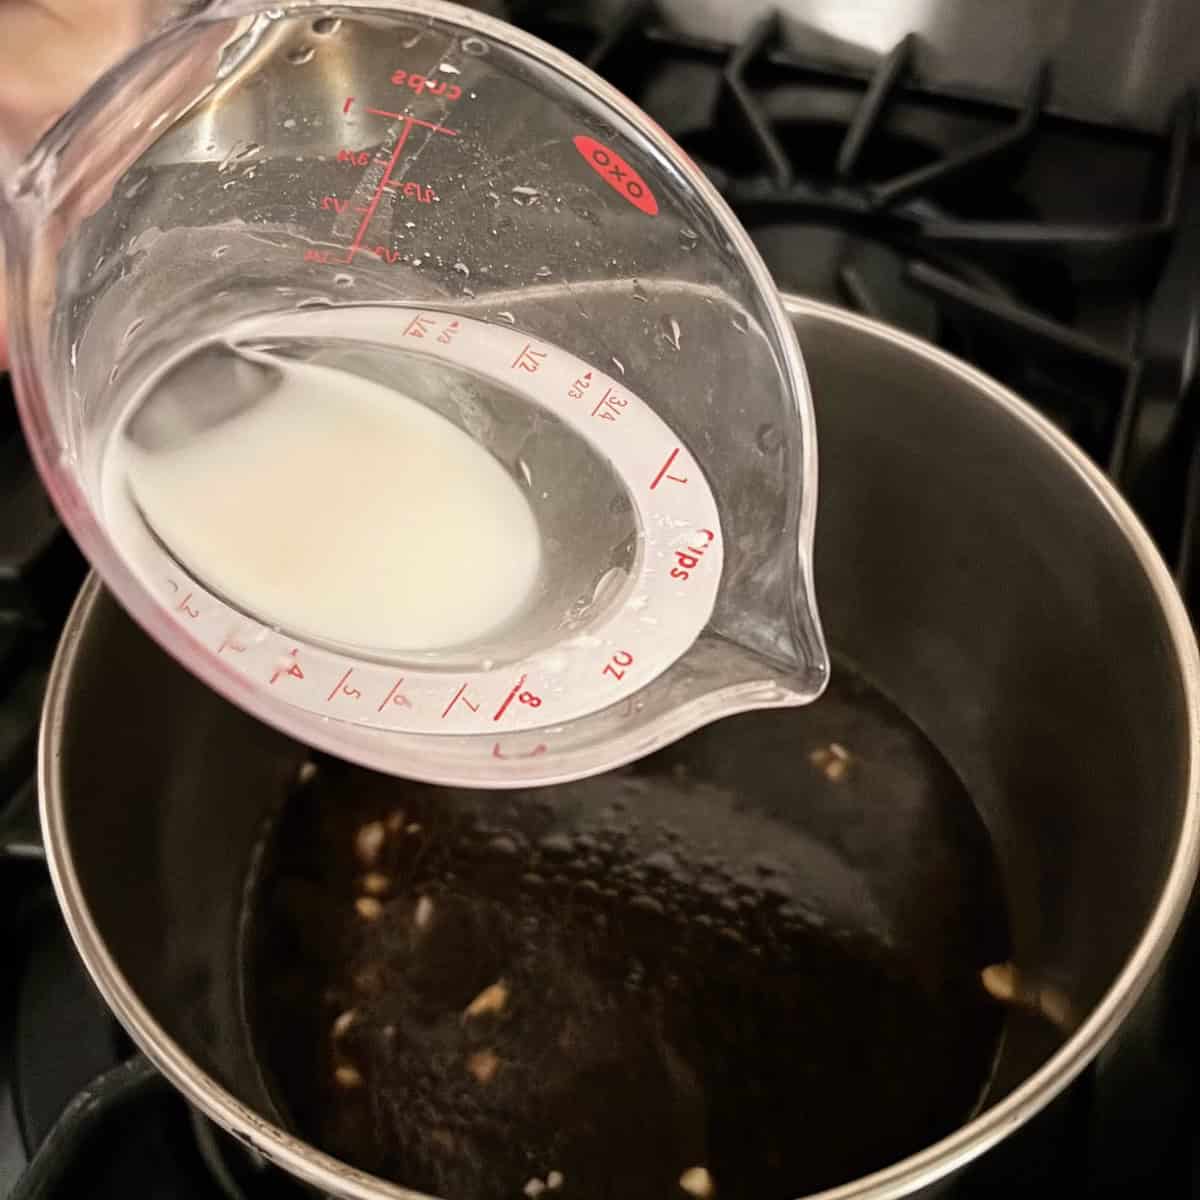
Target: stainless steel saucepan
(973, 566)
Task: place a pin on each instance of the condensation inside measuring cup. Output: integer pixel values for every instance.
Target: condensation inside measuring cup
(422, 415)
(374, 500)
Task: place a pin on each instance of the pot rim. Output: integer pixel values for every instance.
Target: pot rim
(900, 1179)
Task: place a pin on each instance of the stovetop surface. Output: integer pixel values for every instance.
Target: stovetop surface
(1056, 255)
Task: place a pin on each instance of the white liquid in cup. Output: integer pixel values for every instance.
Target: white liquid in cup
(341, 510)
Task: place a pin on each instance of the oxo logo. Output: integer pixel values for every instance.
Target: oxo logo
(617, 173)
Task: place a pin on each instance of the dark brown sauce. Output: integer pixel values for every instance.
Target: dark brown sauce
(733, 955)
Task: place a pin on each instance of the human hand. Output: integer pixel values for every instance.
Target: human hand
(50, 52)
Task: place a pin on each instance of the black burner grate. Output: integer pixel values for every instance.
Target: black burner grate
(1054, 304)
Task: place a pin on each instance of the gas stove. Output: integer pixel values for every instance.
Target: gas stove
(1046, 238)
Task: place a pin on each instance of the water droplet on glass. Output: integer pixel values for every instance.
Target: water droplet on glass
(290, 123)
(314, 302)
(526, 473)
(494, 198)
(616, 362)
(412, 40)
(542, 273)
(133, 190)
(344, 280)
(463, 269)
(236, 153)
(240, 48)
(301, 55)
(324, 26)
(768, 438)
(475, 46)
(668, 331)
(448, 69)
(527, 197)
(639, 292)
(740, 323)
(688, 238)
(220, 251)
(133, 328)
(468, 293)
(506, 317)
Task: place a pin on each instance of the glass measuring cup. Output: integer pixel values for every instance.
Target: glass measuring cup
(417, 196)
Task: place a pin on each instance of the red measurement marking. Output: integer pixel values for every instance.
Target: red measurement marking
(294, 670)
(509, 698)
(448, 334)
(459, 695)
(665, 467)
(419, 326)
(687, 561)
(610, 405)
(333, 204)
(356, 158)
(617, 173)
(528, 359)
(419, 84)
(182, 606)
(349, 102)
(411, 190)
(356, 245)
(615, 665)
(395, 696)
(581, 385)
(390, 165)
(520, 697)
(540, 748)
(340, 686)
(379, 112)
(319, 256)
